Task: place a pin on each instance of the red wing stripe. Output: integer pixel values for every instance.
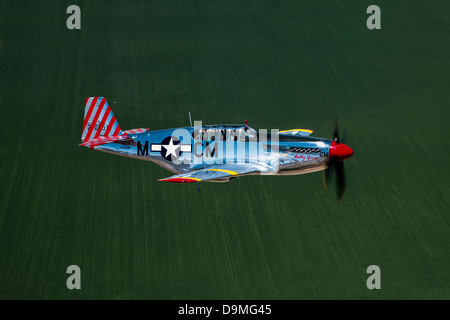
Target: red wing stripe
(97, 114)
(100, 128)
(88, 115)
(180, 180)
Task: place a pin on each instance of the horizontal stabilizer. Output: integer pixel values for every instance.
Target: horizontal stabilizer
(133, 131)
(103, 140)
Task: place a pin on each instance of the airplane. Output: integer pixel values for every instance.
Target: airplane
(216, 153)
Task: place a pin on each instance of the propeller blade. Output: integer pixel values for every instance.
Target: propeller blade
(335, 166)
(336, 133)
(328, 173)
(340, 181)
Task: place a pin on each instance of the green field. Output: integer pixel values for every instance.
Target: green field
(278, 64)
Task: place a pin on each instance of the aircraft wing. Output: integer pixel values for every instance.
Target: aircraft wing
(297, 132)
(213, 172)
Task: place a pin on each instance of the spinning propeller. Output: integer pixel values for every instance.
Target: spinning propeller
(335, 164)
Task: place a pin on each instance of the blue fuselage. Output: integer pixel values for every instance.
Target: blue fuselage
(183, 150)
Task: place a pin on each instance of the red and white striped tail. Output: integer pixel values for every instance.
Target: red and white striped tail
(99, 120)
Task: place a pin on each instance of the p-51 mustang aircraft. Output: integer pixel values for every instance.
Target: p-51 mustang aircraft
(216, 153)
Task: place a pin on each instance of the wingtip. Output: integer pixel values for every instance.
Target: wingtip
(180, 180)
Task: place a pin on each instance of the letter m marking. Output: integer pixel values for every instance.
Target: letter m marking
(142, 151)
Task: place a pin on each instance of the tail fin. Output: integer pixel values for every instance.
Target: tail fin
(99, 120)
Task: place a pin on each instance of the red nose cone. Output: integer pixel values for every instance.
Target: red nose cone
(340, 151)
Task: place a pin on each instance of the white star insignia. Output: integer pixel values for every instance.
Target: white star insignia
(171, 148)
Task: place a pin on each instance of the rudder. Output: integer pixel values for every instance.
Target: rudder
(99, 120)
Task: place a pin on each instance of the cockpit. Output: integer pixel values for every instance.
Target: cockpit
(225, 132)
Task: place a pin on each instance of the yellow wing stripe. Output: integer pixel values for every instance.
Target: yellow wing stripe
(305, 130)
(192, 178)
(233, 173)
